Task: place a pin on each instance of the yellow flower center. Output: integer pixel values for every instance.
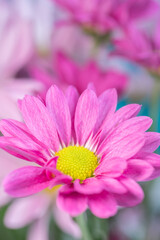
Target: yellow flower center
(77, 162)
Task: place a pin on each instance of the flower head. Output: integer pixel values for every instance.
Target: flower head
(103, 16)
(67, 72)
(141, 46)
(96, 154)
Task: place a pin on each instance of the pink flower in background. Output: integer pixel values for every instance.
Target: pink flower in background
(81, 142)
(26, 211)
(70, 73)
(16, 45)
(129, 11)
(16, 50)
(141, 47)
(105, 15)
(42, 23)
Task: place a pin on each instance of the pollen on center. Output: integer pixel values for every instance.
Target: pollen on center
(77, 162)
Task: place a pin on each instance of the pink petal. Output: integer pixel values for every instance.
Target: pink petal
(17, 148)
(111, 79)
(25, 210)
(89, 186)
(66, 223)
(152, 142)
(12, 128)
(42, 76)
(127, 138)
(58, 108)
(73, 203)
(67, 188)
(88, 76)
(66, 69)
(141, 123)
(39, 230)
(72, 99)
(91, 86)
(17, 34)
(102, 205)
(138, 169)
(126, 147)
(154, 160)
(111, 167)
(62, 179)
(26, 181)
(86, 115)
(112, 185)
(127, 112)
(123, 114)
(9, 127)
(133, 196)
(107, 105)
(39, 122)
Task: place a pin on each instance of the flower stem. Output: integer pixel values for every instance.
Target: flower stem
(81, 220)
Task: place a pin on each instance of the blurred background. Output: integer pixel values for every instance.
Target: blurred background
(106, 44)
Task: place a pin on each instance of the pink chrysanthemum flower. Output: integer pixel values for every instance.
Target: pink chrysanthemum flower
(141, 46)
(95, 154)
(67, 72)
(106, 15)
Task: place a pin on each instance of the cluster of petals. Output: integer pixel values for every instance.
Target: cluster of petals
(68, 72)
(118, 138)
(141, 46)
(25, 211)
(105, 15)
